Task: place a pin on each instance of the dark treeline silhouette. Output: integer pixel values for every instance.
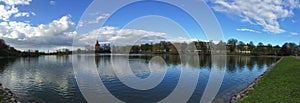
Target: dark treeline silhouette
(233, 47)
(60, 52)
(164, 47)
(8, 51)
(238, 47)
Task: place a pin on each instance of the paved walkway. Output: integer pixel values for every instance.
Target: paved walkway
(297, 57)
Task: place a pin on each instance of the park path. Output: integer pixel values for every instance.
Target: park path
(297, 57)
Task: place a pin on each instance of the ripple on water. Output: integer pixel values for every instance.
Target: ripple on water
(51, 79)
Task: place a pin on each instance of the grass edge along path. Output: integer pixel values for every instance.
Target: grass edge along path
(279, 84)
(244, 93)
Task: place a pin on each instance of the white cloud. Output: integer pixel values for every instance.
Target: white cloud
(7, 11)
(58, 33)
(293, 33)
(94, 19)
(80, 24)
(52, 2)
(119, 36)
(16, 2)
(265, 13)
(24, 35)
(9, 8)
(123, 37)
(248, 30)
(24, 14)
(101, 17)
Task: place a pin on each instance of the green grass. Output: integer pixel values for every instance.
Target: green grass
(1, 96)
(280, 85)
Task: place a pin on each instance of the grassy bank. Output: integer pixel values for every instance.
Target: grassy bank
(281, 84)
(1, 96)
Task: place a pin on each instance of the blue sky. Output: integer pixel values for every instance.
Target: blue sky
(51, 24)
(46, 10)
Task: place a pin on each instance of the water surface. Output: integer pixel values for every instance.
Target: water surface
(52, 79)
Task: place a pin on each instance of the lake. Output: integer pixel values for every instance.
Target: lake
(52, 78)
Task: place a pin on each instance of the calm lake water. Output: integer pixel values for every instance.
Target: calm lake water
(52, 78)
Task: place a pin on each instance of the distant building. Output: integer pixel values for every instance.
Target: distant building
(104, 48)
(97, 47)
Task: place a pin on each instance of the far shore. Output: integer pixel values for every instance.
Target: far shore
(1, 57)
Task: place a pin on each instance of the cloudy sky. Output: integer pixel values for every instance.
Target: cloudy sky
(52, 24)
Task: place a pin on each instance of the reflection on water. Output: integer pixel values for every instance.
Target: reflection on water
(51, 78)
(45, 78)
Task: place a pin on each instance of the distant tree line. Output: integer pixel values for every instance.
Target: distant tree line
(233, 46)
(8, 51)
(239, 47)
(164, 47)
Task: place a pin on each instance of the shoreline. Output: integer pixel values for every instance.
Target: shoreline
(244, 93)
(7, 96)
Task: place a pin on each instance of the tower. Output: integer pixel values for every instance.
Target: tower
(97, 46)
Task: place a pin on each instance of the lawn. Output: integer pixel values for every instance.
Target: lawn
(1, 96)
(280, 85)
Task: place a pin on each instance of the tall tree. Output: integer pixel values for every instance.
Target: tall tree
(165, 46)
(276, 49)
(146, 48)
(231, 43)
(284, 50)
(298, 49)
(251, 46)
(241, 46)
(260, 44)
(269, 50)
(259, 50)
(202, 46)
(183, 47)
(135, 49)
(172, 49)
(289, 49)
(294, 48)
